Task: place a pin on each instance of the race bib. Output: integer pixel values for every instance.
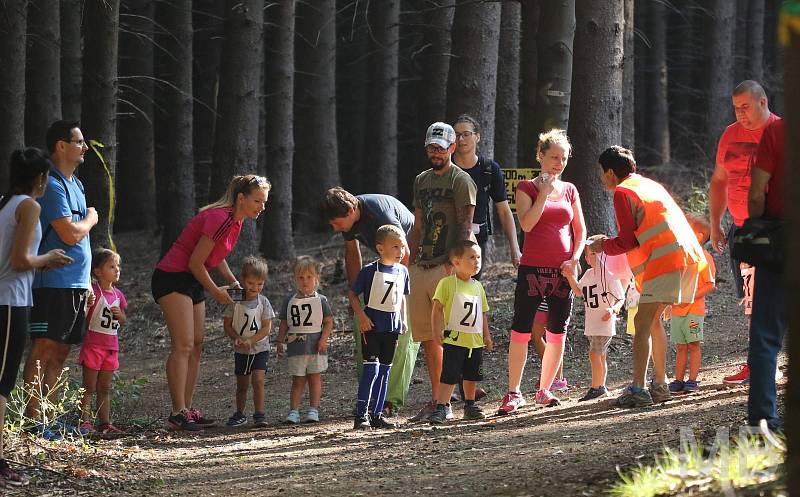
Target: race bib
(385, 294)
(466, 314)
(305, 315)
(246, 322)
(103, 320)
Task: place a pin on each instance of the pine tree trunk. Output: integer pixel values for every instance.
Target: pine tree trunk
(71, 57)
(276, 239)
(628, 100)
(99, 114)
(381, 145)
(207, 41)
(755, 41)
(656, 131)
(12, 82)
(720, 70)
(316, 166)
(596, 101)
(135, 173)
(529, 77)
(507, 113)
(472, 83)
(174, 159)
(773, 57)
(555, 40)
(236, 137)
(682, 58)
(435, 60)
(43, 78)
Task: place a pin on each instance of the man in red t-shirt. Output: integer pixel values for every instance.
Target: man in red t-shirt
(731, 179)
(768, 322)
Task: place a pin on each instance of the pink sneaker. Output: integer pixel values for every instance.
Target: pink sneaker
(559, 385)
(546, 399)
(86, 427)
(108, 428)
(511, 402)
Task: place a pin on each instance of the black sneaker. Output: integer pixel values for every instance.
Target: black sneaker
(202, 421)
(237, 419)
(439, 416)
(183, 421)
(361, 422)
(259, 419)
(379, 422)
(594, 393)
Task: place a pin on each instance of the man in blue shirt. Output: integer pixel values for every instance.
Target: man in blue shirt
(358, 218)
(61, 296)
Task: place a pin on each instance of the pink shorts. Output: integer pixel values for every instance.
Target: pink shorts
(98, 358)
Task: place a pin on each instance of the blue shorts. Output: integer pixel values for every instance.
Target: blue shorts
(246, 363)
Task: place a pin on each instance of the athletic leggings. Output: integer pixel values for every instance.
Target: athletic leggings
(13, 332)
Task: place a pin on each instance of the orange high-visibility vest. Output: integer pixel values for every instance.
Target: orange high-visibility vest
(706, 281)
(666, 241)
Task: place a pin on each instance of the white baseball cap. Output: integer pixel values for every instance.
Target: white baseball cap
(441, 134)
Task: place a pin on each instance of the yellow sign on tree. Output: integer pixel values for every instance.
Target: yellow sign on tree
(512, 177)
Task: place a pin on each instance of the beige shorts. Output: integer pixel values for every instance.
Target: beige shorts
(676, 287)
(599, 344)
(420, 302)
(301, 365)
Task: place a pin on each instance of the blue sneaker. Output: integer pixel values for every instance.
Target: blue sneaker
(67, 429)
(676, 386)
(45, 432)
(691, 386)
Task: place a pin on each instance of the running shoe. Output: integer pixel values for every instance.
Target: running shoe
(546, 399)
(439, 416)
(106, 428)
(293, 417)
(559, 385)
(473, 412)
(691, 386)
(448, 412)
(423, 413)
(594, 393)
(10, 477)
(183, 421)
(45, 432)
(65, 428)
(659, 392)
(86, 427)
(740, 378)
(237, 419)
(634, 396)
(380, 423)
(511, 402)
(677, 386)
(202, 421)
(312, 416)
(259, 419)
(361, 423)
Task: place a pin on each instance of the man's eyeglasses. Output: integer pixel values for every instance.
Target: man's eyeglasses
(79, 143)
(465, 134)
(435, 149)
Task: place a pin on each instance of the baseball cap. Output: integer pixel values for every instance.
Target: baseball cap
(441, 134)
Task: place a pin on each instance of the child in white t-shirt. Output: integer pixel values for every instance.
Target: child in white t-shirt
(603, 294)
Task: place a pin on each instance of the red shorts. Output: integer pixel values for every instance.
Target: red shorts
(98, 358)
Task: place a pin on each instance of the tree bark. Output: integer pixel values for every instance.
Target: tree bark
(628, 94)
(435, 60)
(43, 78)
(555, 40)
(529, 76)
(71, 58)
(316, 166)
(135, 173)
(773, 57)
(720, 71)
(99, 114)
(12, 82)
(656, 129)
(472, 83)
(276, 239)
(207, 20)
(236, 137)
(755, 41)
(381, 145)
(596, 104)
(682, 59)
(507, 112)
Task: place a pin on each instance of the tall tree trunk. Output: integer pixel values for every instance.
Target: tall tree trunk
(555, 40)
(755, 41)
(236, 137)
(507, 112)
(773, 57)
(682, 58)
(135, 173)
(99, 114)
(720, 70)
(628, 94)
(384, 28)
(43, 78)
(207, 20)
(316, 166)
(12, 82)
(276, 239)
(529, 77)
(435, 60)
(596, 103)
(472, 84)
(174, 160)
(656, 130)
(71, 57)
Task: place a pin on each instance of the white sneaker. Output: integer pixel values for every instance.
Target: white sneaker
(312, 416)
(293, 417)
(448, 409)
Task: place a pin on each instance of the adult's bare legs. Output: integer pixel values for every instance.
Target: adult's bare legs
(193, 371)
(646, 329)
(179, 315)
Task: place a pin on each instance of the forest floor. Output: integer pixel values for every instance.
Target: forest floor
(571, 450)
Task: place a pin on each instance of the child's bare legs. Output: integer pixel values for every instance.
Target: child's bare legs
(298, 389)
(104, 396)
(681, 356)
(90, 377)
(242, 384)
(446, 391)
(469, 389)
(694, 360)
(599, 369)
(258, 390)
(314, 389)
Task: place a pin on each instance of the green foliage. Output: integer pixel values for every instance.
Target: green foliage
(55, 405)
(696, 199)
